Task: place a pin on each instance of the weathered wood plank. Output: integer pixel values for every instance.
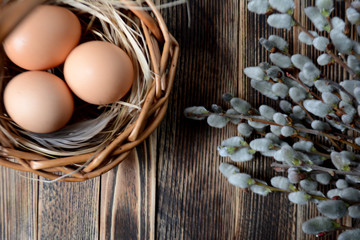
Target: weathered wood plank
(18, 205)
(193, 200)
(255, 217)
(69, 210)
(120, 194)
(271, 217)
(127, 209)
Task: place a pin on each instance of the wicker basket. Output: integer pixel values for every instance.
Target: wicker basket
(163, 50)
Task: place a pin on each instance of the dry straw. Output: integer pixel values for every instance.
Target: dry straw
(105, 135)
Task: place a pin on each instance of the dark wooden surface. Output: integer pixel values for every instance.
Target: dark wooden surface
(170, 186)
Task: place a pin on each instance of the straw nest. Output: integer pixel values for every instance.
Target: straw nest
(99, 137)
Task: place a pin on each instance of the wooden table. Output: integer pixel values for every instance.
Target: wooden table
(170, 187)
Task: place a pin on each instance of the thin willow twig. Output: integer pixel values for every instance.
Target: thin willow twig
(331, 171)
(299, 129)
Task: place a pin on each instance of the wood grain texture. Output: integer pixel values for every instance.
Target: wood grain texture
(68, 210)
(194, 202)
(187, 196)
(192, 192)
(128, 196)
(273, 217)
(170, 187)
(18, 205)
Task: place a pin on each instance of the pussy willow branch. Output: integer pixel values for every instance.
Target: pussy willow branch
(328, 51)
(341, 63)
(353, 128)
(347, 23)
(329, 22)
(307, 90)
(319, 98)
(341, 88)
(300, 103)
(289, 75)
(299, 129)
(335, 144)
(306, 111)
(326, 148)
(327, 156)
(331, 171)
(275, 189)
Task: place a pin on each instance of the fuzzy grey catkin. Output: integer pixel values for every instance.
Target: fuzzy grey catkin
(245, 129)
(320, 43)
(319, 21)
(267, 112)
(255, 73)
(280, 21)
(280, 60)
(324, 59)
(279, 42)
(227, 169)
(318, 225)
(324, 4)
(258, 6)
(283, 6)
(217, 121)
(299, 197)
(333, 209)
(350, 235)
(241, 180)
(353, 16)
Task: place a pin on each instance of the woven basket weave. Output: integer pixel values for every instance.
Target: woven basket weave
(163, 50)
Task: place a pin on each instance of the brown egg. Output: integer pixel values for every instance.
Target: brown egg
(38, 101)
(99, 72)
(44, 39)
